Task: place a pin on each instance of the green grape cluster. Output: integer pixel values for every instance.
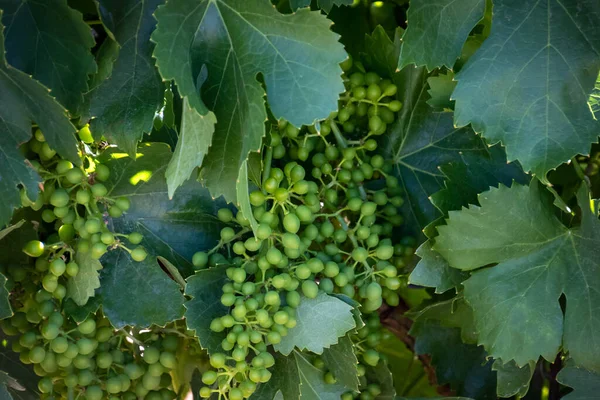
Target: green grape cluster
(326, 213)
(73, 199)
(91, 360)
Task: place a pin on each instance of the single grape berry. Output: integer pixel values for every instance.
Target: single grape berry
(199, 259)
(102, 172)
(34, 248)
(139, 254)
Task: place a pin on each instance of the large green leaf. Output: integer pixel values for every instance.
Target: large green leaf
(83, 285)
(463, 366)
(381, 375)
(80, 313)
(586, 384)
(18, 380)
(174, 229)
(192, 145)
(205, 288)
(421, 141)
(528, 84)
(123, 106)
(594, 99)
(25, 100)
(294, 377)
(235, 40)
(516, 303)
(512, 380)
(341, 361)
(51, 42)
(320, 323)
(437, 31)
(464, 181)
(139, 294)
(325, 5)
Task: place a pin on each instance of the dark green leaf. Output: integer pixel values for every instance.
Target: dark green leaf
(437, 30)
(586, 384)
(194, 140)
(516, 303)
(325, 5)
(285, 380)
(513, 89)
(138, 293)
(4, 232)
(297, 55)
(21, 384)
(320, 323)
(174, 229)
(381, 53)
(123, 106)
(205, 289)
(419, 142)
(463, 366)
(312, 384)
(80, 313)
(5, 308)
(512, 380)
(341, 361)
(51, 42)
(594, 99)
(434, 271)
(83, 285)
(440, 89)
(25, 100)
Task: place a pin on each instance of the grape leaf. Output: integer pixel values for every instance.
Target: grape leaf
(138, 293)
(437, 31)
(25, 100)
(464, 181)
(512, 380)
(83, 285)
(463, 366)
(433, 270)
(58, 54)
(594, 99)
(5, 308)
(419, 142)
(585, 384)
(18, 380)
(440, 89)
(123, 106)
(174, 229)
(297, 55)
(4, 232)
(205, 289)
(381, 53)
(324, 5)
(341, 361)
(320, 323)
(294, 377)
(513, 89)
(516, 303)
(80, 313)
(194, 140)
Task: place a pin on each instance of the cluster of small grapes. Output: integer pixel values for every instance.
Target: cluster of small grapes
(326, 211)
(90, 359)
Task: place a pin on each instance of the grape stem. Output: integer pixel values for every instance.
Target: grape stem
(343, 144)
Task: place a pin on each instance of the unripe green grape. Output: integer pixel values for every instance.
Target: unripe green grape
(151, 355)
(83, 196)
(281, 195)
(373, 291)
(139, 254)
(331, 269)
(218, 360)
(28, 339)
(274, 255)
(99, 190)
(115, 212)
(104, 334)
(45, 385)
(102, 172)
(123, 203)
(66, 232)
(46, 153)
(63, 361)
(34, 248)
(315, 265)
(58, 267)
(199, 259)
(392, 283)
(98, 250)
(104, 360)
(252, 244)
(371, 357)
(61, 212)
(37, 354)
(272, 298)
(357, 79)
(310, 289)
(168, 360)
(50, 282)
(134, 371)
(360, 254)
(93, 225)
(85, 346)
(113, 385)
(395, 105)
(87, 327)
(60, 198)
(86, 137)
(303, 272)
(107, 238)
